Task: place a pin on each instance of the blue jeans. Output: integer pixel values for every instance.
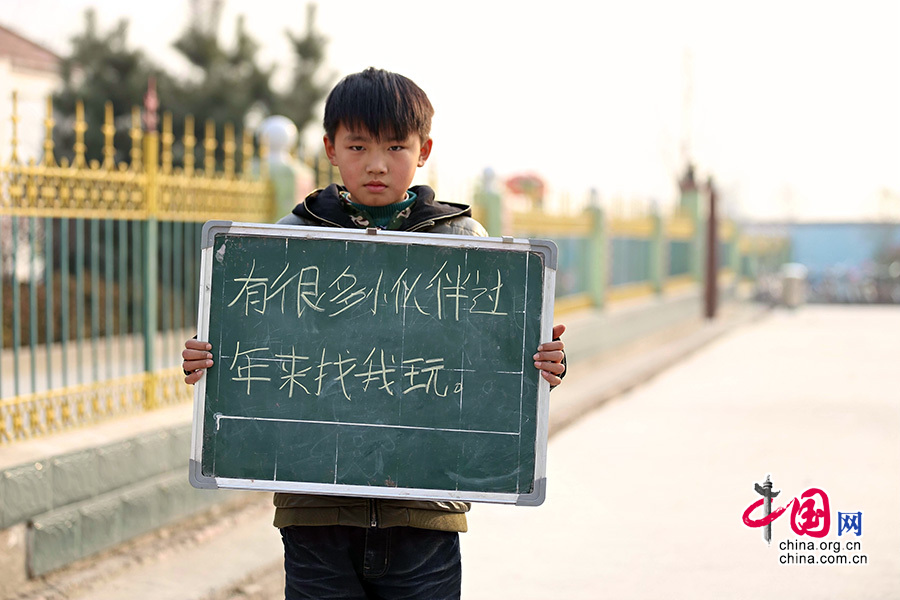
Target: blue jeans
(362, 563)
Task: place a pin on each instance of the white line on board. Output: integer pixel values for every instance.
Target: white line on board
(221, 417)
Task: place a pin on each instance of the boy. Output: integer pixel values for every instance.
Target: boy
(377, 127)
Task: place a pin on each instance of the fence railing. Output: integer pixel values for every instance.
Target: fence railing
(99, 263)
(608, 258)
(98, 269)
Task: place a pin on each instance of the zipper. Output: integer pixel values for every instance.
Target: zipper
(332, 223)
(373, 515)
(432, 222)
(419, 226)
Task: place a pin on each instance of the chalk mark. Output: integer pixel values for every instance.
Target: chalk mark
(220, 417)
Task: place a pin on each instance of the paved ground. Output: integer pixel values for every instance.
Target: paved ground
(645, 495)
(239, 557)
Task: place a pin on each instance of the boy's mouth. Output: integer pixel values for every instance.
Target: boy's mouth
(375, 186)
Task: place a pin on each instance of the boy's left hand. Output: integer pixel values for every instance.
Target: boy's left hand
(550, 355)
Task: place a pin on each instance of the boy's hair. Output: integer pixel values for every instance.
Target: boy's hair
(390, 106)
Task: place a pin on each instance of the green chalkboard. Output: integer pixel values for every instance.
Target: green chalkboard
(373, 363)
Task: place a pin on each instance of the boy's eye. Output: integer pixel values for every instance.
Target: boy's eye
(395, 148)
(356, 148)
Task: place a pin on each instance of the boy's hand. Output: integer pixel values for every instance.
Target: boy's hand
(549, 357)
(197, 358)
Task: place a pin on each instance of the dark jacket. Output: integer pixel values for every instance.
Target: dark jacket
(322, 208)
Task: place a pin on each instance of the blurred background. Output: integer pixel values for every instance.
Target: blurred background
(695, 162)
(790, 108)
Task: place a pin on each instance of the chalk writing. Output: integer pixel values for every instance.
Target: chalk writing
(255, 290)
(492, 299)
(432, 366)
(347, 293)
(244, 370)
(448, 294)
(308, 287)
(294, 374)
(379, 370)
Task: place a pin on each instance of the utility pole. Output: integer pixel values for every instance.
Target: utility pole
(712, 255)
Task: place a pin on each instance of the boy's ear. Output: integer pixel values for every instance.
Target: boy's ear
(425, 152)
(329, 150)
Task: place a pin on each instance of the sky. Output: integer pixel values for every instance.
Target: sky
(792, 107)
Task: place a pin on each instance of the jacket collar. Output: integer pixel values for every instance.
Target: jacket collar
(324, 206)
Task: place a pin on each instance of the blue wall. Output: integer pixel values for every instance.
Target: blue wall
(821, 246)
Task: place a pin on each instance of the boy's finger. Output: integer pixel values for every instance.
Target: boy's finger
(551, 378)
(188, 354)
(193, 377)
(558, 330)
(556, 356)
(550, 367)
(559, 345)
(193, 365)
(197, 345)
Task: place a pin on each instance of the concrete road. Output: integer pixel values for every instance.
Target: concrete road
(646, 495)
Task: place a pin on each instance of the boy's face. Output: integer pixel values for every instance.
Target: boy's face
(376, 172)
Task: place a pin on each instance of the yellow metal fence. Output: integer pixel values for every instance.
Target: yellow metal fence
(98, 268)
(99, 264)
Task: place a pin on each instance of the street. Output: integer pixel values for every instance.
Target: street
(646, 495)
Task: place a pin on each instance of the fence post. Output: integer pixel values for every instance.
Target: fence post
(711, 286)
(734, 256)
(150, 255)
(489, 200)
(736, 250)
(698, 241)
(598, 255)
(657, 251)
(689, 204)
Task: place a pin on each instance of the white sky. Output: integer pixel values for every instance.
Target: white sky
(795, 105)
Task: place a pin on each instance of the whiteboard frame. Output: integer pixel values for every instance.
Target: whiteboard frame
(546, 248)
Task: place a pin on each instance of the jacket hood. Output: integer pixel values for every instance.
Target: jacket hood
(324, 206)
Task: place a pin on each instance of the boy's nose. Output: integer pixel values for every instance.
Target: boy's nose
(376, 165)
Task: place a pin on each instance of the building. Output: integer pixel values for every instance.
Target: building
(32, 71)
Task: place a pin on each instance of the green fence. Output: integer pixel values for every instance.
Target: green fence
(679, 258)
(607, 258)
(98, 264)
(631, 261)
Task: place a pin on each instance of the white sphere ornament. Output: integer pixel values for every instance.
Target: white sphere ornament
(279, 133)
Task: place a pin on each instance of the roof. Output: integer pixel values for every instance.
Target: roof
(25, 53)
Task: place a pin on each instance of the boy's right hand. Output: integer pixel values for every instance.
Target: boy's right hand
(197, 358)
